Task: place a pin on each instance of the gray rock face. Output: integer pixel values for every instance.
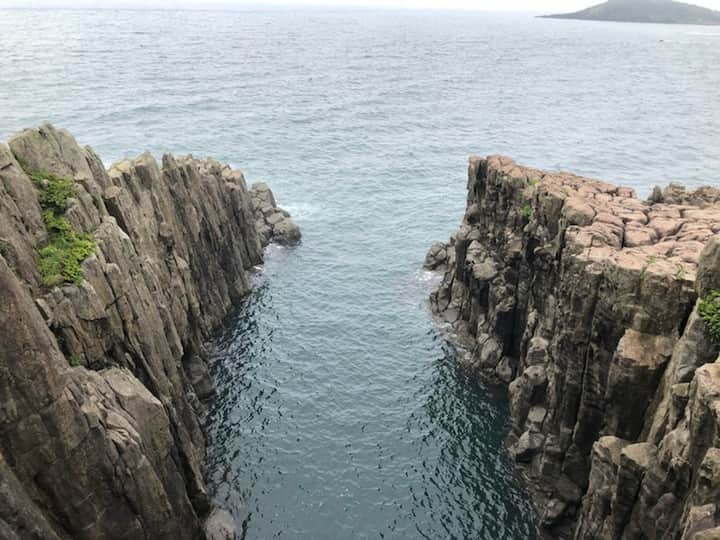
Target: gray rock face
(272, 223)
(436, 258)
(585, 299)
(114, 448)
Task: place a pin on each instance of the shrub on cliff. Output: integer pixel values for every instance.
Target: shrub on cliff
(60, 258)
(710, 313)
(54, 191)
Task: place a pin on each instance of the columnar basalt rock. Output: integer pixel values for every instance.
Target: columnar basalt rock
(584, 300)
(114, 448)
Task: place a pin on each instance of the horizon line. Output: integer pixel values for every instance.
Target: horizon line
(271, 7)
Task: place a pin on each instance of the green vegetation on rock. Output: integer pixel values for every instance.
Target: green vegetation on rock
(75, 360)
(710, 313)
(526, 211)
(54, 191)
(60, 258)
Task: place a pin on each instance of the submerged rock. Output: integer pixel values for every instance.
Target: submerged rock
(113, 448)
(586, 299)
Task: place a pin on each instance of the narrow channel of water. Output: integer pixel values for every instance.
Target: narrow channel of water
(341, 413)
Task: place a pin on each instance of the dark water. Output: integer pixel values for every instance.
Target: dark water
(341, 414)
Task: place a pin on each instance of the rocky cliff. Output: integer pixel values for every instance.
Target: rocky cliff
(110, 282)
(596, 310)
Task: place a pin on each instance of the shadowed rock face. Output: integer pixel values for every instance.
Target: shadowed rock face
(584, 300)
(645, 11)
(114, 449)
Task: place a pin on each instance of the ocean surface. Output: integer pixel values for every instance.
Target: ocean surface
(340, 412)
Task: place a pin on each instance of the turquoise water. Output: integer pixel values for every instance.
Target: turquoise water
(340, 411)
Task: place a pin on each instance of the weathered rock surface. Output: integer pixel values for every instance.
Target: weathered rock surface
(585, 299)
(437, 257)
(114, 448)
(271, 222)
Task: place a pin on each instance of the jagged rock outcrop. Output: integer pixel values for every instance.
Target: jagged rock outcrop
(584, 300)
(271, 222)
(437, 257)
(114, 448)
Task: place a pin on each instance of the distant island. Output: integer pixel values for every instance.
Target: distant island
(645, 11)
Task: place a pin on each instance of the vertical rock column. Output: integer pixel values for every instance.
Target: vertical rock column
(577, 295)
(114, 448)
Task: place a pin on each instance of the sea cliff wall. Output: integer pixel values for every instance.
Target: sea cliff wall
(585, 302)
(113, 447)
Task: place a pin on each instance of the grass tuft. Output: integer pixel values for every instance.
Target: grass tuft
(526, 211)
(710, 313)
(75, 360)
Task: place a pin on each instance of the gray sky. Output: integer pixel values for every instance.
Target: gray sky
(494, 5)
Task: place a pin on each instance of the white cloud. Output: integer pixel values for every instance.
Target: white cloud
(494, 5)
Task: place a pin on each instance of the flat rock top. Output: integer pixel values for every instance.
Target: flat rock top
(611, 446)
(639, 454)
(646, 350)
(608, 223)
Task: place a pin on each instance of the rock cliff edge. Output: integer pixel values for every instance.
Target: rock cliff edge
(102, 368)
(588, 304)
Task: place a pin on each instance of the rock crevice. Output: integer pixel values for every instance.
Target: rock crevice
(114, 448)
(584, 301)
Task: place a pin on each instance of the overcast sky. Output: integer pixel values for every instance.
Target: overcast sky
(495, 5)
